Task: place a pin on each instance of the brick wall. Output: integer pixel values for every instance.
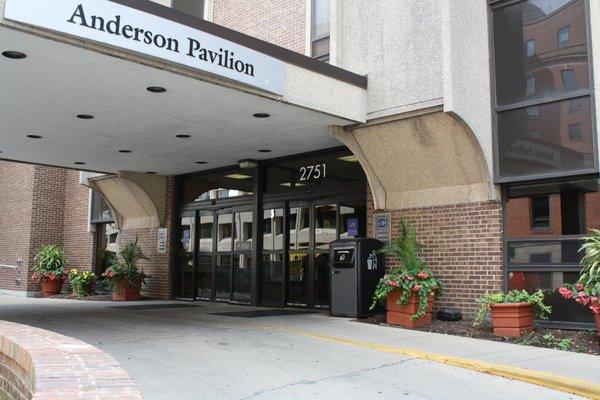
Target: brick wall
(16, 194)
(463, 247)
(77, 241)
(283, 24)
(159, 265)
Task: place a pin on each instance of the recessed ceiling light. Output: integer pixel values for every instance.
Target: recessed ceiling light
(79, 163)
(15, 55)
(151, 173)
(183, 136)
(156, 89)
(85, 116)
(264, 151)
(261, 115)
(289, 184)
(238, 176)
(351, 158)
(201, 162)
(34, 136)
(124, 151)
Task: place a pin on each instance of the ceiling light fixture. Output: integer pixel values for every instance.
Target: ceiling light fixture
(183, 136)
(156, 89)
(352, 158)
(201, 162)
(79, 163)
(248, 164)
(261, 115)
(264, 151)
(124, 151)
(34, 136)
(85, 116)
(289, 184)
(14, 55)
(151, 173)
(238, 176)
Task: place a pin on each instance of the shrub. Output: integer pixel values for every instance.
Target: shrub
(49, 264)
(514, 296)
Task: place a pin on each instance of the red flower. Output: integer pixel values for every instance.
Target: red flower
(565, 292)
(580, 287)
(594, 299)
(582, 298)
(423, 275)
(416, 288)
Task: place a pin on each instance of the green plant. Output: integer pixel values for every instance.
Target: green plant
(413, 277)
(561, 344)
(128, 269)
(514, 296)
(82, 282)
(586, 290)
(49, 264)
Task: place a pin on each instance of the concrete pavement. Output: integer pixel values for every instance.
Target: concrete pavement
(185, 352)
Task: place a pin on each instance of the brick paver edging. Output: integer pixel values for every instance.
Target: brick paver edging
(43, 365)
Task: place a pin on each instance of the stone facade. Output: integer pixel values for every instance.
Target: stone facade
(462, 245)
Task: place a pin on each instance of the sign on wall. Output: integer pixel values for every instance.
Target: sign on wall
(382, 227)
(127, 28)
(162, 241)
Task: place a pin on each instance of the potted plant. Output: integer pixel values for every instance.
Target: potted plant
(125, 278)
(587, 289)
(82, 283)
(48, 268)
(513, 312)
(407, 291)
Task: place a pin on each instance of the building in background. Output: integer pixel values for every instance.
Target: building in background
(475, 121)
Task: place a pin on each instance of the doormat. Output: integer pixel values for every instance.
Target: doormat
(264, 313)
(154, 306)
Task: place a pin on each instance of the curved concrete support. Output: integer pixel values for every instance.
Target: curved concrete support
(137, 199)
(420, 160)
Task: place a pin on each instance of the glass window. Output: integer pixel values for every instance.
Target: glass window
(194, 8)
(553, 152)
(243, 231)
(218, 185)
(576, 106)
(224, 232)
(540, 212)
(272, 278)
(204, 263)
(530, 87)
(101, 212)
(242, 265)
(569, 79)
(273, 229)
(320, 29)
(536, 23)
(530, 48)
(299, 228)
(575, 132)
(331, 170)
(533, 112)
(564, 37)
(534, 134)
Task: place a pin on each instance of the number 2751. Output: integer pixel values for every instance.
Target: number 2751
(313, 172)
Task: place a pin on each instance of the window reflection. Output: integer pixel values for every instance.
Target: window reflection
(273, 229)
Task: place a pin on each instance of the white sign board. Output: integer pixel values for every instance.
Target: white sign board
(162, 241)
(127, 28)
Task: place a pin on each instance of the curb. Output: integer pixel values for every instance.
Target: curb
(549, 380)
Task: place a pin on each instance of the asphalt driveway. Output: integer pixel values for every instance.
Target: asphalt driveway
(177, 350)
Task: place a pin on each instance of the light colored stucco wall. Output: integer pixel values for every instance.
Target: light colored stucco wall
(466, 69)
(397, 44)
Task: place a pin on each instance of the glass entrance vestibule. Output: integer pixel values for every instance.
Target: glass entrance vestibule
(262, 236)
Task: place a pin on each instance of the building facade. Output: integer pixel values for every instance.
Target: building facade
(254, 135)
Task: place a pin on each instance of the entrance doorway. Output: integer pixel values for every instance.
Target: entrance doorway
(265, 239)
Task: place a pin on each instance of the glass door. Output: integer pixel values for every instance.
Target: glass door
(272, 267)
(223, 255)
(204, 258)
(186, 255)
(325, 231)
(299, 246)
(242, 255)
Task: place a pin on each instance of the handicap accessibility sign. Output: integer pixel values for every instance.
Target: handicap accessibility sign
(381, 227)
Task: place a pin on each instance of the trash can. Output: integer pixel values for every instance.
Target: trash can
(356, 267)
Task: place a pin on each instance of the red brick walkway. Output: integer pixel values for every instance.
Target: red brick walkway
(43, 365)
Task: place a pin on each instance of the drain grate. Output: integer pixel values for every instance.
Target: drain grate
(154, 306)
(263, 313)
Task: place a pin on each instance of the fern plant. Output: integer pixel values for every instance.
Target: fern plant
(413, 277)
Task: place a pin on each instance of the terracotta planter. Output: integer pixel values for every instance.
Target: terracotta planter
(125, 293)
(401, 315)
(512, 320)
(52, 287)
(597, 317)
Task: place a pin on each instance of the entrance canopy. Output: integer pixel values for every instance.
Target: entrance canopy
(95, 104)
